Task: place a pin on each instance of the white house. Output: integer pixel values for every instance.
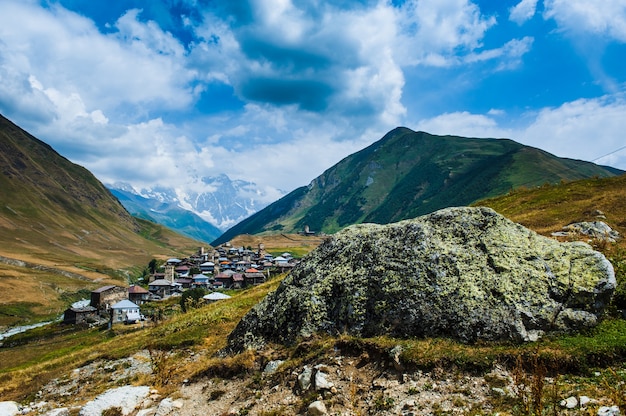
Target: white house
(125, 311)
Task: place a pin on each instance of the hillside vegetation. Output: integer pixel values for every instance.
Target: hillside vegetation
(184, 346)
(62, 232)
(406, 174)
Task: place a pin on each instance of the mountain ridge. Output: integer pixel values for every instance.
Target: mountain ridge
(62, 231)
(372, 184)
(203, 210)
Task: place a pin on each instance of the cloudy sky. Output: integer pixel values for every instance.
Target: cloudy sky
(276, 91)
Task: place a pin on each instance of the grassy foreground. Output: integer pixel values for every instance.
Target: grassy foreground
(590, 363)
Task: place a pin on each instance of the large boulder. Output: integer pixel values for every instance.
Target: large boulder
(465, 273)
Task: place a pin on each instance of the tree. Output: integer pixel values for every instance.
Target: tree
(152, 266)
(191, 298)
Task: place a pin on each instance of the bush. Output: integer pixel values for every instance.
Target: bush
(192, 298)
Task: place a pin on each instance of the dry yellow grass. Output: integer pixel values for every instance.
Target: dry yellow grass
(296, 244)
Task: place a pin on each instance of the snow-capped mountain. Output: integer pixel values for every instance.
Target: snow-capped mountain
(221, 202)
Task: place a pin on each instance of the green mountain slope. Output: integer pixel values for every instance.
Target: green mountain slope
(406, 174)
(62, 231)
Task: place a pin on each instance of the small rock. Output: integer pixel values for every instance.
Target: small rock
(608, 411)
(168, 405)
(322, 382)
(395, 357)
(272, 366)
(304, 379)
(499, 391)
(63, 411)
(317, 408)
(127, 398)
(584, 401)
(9, 408)
(409, 404)
(146, 412)
(569, 403)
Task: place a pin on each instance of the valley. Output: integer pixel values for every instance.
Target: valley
(60, 242)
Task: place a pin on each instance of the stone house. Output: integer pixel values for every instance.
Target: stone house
(102, 298)
(163, 287)
(253, 277)
(138, 294)
(82, 315)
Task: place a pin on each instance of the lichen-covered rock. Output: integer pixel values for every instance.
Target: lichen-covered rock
(464, 273)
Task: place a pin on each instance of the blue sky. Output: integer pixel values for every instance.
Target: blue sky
(276, 91)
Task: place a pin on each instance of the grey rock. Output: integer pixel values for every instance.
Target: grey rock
(304, 378)
(63, 411)
(465, 273)
(317, 408)
(570, 403)
(168, 406)
(9, 408)
(608, 411)
(322, 382)
(272, 366)
(594, 229)
(127, 398)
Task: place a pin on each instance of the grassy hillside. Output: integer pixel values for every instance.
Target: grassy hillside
(184, 346)
(62, 231)
(407, 174)
(548, 208)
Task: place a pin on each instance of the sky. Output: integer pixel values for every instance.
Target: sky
(167, 92)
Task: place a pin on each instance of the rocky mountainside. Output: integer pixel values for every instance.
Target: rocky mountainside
(465, 273)
(407, 174)
(168, 214)
(227, 203)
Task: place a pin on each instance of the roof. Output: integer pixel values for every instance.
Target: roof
(124, 304)
(84, 309)
(252, 270)
(200, 277)
(224, 275)
(216, 296)
(160, 282)
(136, 289)
(104, 288)
(208, 263)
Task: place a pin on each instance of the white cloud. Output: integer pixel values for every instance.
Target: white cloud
(435, 32)
(139, 65)
(101, 99)
(523, 11)
(606, 17)
(583, 129)
(509, 55)
(463, 124)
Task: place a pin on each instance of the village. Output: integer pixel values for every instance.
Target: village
(213, 271)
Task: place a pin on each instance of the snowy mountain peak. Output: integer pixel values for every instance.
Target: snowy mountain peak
(222, 202)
